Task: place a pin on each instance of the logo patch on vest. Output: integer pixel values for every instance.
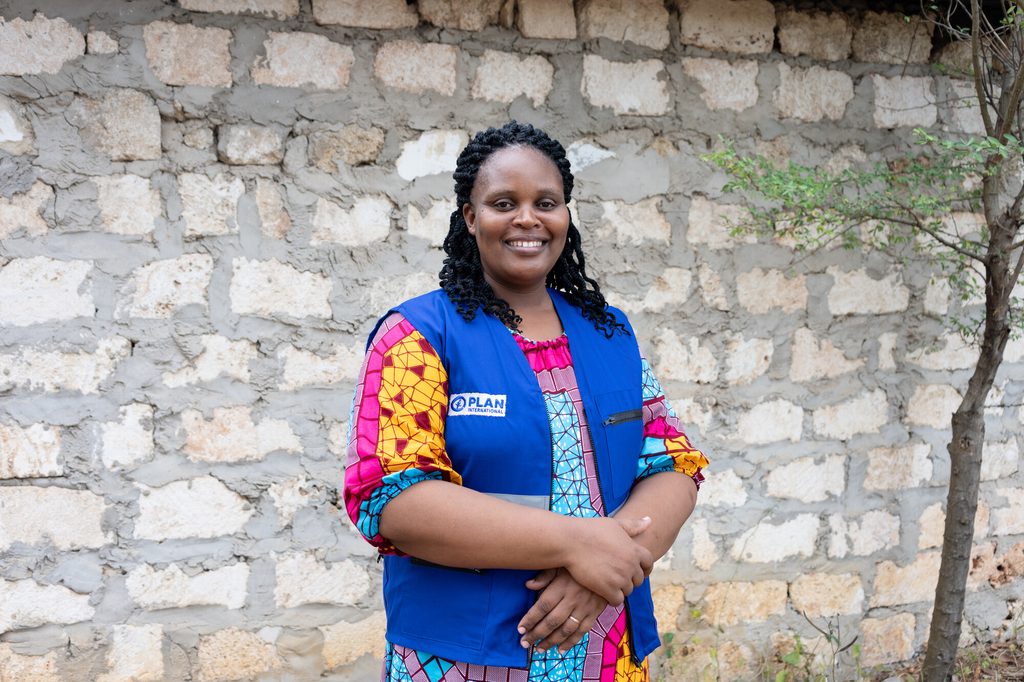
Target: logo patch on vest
(477, 405)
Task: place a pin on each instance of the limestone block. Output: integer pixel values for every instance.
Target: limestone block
(684, 362)
(644, 22)
(895, 585)
(904, 101)
(269, 288)
(67, 519)
(368, 221)
(366, 13)
(625, 87)
(467, 15)
(554, 19)
(954, 353)
(274, 219)
(99, 42)
(234, 654)
(900, 468)
(27, 604)
(182, 54)
(820, 595)
(38, 46)
(504, 76)
(887, 640)
(1014, 350)
(352, 144)
(999, 459)
(16, 133)
(128, 204)
(124, 124)
(171, 587)
(209, 205)
(954, 59)
(201, 507)
(711, 290)
(714, 658)
(724, 84)
(762, 291)
(303, 368)
(771, 421)
(933, 405)
(1009, 520)
(135, 654)
(704, 551)
(732, 603)
(220, 357)
(583, 153)
(34, 369)
(432, 226)
(872, 532)
(710, 223)
(28, 668)
(866, 413)
(277, 9)
(22, 211)
(231, 435)
(812, 94)
(635, 224)
(858, 293)
(888, 38)
(433, 152)
(161, 287)
(30, 452)
(961, 111)
(199, 138)
(814, 358)
(932, 525)
(669, 601)
(301, 579)
(289, 496)
(815, 34)
(671, 288)
(807, 480)
(346, 642)
(417, 67)
(248, 145)
(40, 289)
(298, 59)
(740, 26)
(886, 348)
(747, 359)
(724, 489)
(128, 441)
(768, 542)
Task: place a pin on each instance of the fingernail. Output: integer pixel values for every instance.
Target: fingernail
(646, 518)
(522, 630)
(526, 645)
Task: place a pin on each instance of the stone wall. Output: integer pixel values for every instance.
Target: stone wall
(204, 205)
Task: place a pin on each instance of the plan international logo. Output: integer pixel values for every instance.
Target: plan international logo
(477, 405)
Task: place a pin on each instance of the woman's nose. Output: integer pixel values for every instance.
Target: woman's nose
(526, 217)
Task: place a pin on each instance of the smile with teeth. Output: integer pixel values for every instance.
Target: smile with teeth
(525, 243)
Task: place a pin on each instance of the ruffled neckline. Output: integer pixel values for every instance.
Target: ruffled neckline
(525, 343)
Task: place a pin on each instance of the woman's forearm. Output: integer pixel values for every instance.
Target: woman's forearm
(668, 499)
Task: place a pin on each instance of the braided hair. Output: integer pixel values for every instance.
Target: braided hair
(462, 275)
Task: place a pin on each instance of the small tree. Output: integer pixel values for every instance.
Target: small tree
(905, 207)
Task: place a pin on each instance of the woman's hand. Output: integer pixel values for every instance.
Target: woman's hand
(605, 559)
(563, 613)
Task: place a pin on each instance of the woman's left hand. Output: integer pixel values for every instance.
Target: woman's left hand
(563, 613)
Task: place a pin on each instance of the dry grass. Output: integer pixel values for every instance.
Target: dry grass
(993, 662)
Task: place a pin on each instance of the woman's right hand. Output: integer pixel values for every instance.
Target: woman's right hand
(604, 557)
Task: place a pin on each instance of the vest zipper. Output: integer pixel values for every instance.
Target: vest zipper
(621, 417)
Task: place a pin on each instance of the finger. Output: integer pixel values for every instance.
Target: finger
(542, 579)
(634, 527)
(544, 605)
(638, 577)
(551, 623)
(569, 627)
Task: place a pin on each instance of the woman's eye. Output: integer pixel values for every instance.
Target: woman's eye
(503, 205)
(547, 205)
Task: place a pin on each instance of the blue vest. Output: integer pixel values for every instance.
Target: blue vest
(498, 438)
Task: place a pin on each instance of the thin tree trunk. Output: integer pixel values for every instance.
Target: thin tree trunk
(965, 462)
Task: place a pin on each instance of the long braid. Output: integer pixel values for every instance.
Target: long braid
(462, 275)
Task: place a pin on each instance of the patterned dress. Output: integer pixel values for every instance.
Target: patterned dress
(397, 439)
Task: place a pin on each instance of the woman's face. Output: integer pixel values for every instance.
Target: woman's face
(517, 214)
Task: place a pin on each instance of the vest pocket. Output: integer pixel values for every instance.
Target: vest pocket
(442, 604)
(621, 424)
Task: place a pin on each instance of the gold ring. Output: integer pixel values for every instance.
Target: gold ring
(575, 620)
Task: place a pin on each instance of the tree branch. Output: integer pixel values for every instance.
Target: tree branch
(934, 234)
(1012, 104)
(979, 80)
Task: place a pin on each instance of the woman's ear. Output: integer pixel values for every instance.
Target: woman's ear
(469, 215)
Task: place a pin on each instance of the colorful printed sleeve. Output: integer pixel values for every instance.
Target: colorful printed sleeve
(396, 427)
(666, 447)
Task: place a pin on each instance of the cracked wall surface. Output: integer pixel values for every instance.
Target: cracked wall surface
(205, 205)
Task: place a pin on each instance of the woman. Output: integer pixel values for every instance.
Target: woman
(507, 424)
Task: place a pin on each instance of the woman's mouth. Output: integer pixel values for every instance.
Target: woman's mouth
(526, 244)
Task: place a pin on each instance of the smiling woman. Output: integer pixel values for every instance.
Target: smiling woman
(511, 453)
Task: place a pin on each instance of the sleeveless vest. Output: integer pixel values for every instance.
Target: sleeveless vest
(499, 440)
